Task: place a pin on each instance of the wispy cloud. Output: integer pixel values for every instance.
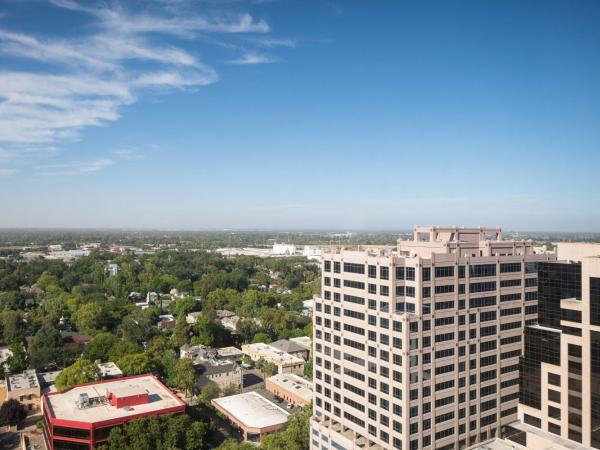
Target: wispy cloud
(127, 155)
(253, 58)
(85, 81)
(272, 42)
(76, 168)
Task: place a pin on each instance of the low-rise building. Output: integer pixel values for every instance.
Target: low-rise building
(305, 341)
(231, 353)
(252, 413)
(291, 388)
(285, 362)
(74, 341)
(84, 415)
(193, 317)
(230, 322)
(227, 375)
(24, 387)
(166, 321)
(109, 370)
(112, 269)
(292, 348)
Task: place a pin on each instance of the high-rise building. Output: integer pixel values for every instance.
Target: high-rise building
(418, 346)
(560, 370)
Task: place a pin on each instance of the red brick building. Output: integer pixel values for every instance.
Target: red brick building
(83, 415)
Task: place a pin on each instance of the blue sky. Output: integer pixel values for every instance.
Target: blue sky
(300, 114)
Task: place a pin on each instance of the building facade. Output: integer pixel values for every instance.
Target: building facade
(82, 417)
(418, 346)
(560, 368)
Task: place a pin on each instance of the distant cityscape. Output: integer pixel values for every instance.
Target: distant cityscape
(454, 338)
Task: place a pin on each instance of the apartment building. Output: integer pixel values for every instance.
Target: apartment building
(418, 346)
(560, 370)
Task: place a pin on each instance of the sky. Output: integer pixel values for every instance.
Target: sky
(300, 114)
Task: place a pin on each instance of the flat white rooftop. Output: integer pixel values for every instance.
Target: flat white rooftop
(109, 369)
(272, 354)
(294, 384)
(252, 410)
(64, 405)
(26, 380)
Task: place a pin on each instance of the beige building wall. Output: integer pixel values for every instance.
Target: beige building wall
(379, 392)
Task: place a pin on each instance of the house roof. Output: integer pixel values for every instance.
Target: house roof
(288, 346)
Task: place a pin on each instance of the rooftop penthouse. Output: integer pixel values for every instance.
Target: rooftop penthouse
(434, 240)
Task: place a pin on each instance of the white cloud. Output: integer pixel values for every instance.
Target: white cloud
(119, 20)
(76, 168)
(253, 58)
(273, 42)
(128, 155)
(86, 80)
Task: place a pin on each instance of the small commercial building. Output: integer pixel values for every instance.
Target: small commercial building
(285, 362)
(291, 388)
(82, 416)
(109, 370)
(253, 414)
(25, 387)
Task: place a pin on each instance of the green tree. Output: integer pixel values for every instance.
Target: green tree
(209, 332)
(122, 348)
(247, 329)
(12, 412)
(100, 346)
(185, 375)
(89, 317)
(17, 362)
(295, 435)
(181, 332)
(208, 392)
(135, 364)
(81, 371)
(160, 433)
(45, 347)
(261, 338)
(13, 326)
(137, 326)
(155, 350)
(232, 444)
(168, 365)
(308, 368)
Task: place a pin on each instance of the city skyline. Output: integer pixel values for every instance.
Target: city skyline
(299, 115)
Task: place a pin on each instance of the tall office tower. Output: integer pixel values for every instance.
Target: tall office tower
(560, 370)
(418, 346)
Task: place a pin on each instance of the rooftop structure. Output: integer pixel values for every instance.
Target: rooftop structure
(291, 347)
(22, 381)
(109, 370)
(89, 411)
(231, 353)
(252, 413)
(304, 341)
(292, 388)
